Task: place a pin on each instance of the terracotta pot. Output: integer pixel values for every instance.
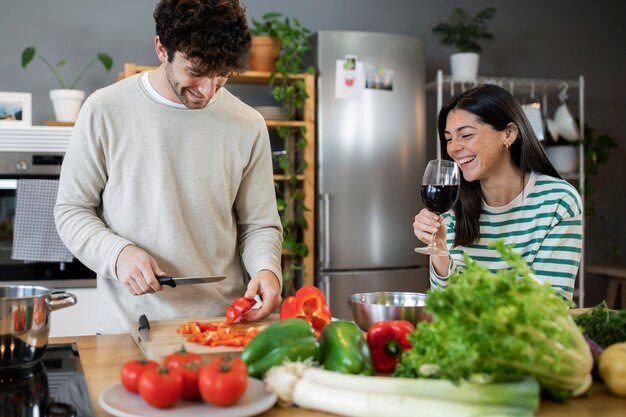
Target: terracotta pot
(264, 53)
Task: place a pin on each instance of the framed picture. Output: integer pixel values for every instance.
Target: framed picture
(15, 109)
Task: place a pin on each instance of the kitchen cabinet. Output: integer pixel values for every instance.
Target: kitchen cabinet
(76, 320)
(523, 89)
(305, 179)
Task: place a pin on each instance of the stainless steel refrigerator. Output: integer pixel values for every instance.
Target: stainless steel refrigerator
(371, 156)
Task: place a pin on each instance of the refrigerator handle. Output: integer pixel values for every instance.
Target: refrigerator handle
(324, 286)
(325, 238)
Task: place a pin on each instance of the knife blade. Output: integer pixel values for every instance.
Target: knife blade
(174, 281)
(144, 328)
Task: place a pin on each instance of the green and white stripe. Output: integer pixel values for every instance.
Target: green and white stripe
(545, 226)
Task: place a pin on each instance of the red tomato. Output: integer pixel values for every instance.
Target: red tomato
(223, 381)
(161, 387)
(132, 370)
(191, 390)
(181, 357)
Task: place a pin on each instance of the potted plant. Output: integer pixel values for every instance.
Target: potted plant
(290, 94)
(465, 33)
(275, 35)
(66, 100)
(265, 47)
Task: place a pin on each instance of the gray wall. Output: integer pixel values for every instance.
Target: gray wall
(534, 38)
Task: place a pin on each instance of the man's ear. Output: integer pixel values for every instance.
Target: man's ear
(161, 51)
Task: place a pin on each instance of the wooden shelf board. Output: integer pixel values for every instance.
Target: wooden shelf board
(57, 123)
(280, 177)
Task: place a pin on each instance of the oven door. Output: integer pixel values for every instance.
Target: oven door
(33, 272)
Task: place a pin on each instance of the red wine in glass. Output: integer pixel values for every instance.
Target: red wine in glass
(440, 190)
(439, 198)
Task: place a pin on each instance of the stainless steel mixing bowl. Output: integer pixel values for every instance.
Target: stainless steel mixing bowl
(371, 307)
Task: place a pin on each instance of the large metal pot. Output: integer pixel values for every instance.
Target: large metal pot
(25, 322)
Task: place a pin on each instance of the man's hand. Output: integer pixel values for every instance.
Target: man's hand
(136, 270)
(267, 286)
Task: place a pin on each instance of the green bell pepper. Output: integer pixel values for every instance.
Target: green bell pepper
(344, 349)
(291, 339)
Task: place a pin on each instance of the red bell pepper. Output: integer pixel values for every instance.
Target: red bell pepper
(238, 308)
(309, 304)
(387, 340)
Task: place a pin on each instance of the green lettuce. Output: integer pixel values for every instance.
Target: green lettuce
(500, 326)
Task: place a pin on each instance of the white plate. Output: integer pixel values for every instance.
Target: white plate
(118, 401)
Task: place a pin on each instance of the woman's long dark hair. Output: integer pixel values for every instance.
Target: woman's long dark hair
(497, 107)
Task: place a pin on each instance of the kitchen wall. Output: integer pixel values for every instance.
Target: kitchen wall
(534, 38)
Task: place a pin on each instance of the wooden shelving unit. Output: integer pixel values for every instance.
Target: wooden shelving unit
(307, 178)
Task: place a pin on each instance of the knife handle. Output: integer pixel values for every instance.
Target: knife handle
(143, 322)
(166, 281)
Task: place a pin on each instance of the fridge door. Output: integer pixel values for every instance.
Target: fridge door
(337, 286)
(371, 153)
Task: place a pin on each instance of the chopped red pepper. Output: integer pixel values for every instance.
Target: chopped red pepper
(238, 308)
(217, 334)
(387, 341)
(309, 304)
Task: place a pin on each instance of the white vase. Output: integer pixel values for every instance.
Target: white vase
(66, 104)
(563, 157)
(464, 66)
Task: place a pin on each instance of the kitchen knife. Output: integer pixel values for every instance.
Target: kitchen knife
(174, 281)
(144, 328)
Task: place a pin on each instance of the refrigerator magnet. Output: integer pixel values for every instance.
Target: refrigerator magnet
(379, 78)
(349, 77)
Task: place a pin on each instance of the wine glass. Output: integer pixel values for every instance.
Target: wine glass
(440, 190)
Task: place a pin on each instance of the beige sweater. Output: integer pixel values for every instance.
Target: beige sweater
(193, 188)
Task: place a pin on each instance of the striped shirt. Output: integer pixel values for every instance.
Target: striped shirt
(544, 224)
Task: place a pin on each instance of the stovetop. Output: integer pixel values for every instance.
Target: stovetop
(52, 387)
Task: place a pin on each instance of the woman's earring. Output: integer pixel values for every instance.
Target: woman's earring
(507, 145)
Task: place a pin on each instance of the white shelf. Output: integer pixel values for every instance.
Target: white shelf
(548, 85)
(35, 139)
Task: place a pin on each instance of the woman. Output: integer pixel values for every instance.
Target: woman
(509, 191)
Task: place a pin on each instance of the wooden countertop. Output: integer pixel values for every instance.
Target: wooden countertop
(102, 358)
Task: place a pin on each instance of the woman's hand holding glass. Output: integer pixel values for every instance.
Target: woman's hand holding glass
(428, 226)
(439, 190)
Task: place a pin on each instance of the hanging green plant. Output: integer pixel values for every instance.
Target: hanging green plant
(291, 94)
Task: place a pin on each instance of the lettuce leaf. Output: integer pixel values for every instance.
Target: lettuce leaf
(498, 326)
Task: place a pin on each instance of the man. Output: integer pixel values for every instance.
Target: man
(167, 173)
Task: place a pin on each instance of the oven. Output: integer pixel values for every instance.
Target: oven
(32, 165)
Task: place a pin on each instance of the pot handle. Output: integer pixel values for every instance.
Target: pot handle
(60, 300)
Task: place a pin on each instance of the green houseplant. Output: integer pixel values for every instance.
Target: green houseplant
(597, 149)
(291, 94)
(66, 100)
(465, 33)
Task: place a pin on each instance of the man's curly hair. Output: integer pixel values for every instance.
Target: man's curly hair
(212, 33)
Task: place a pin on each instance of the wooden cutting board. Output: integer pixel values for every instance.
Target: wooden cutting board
(164, 339)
